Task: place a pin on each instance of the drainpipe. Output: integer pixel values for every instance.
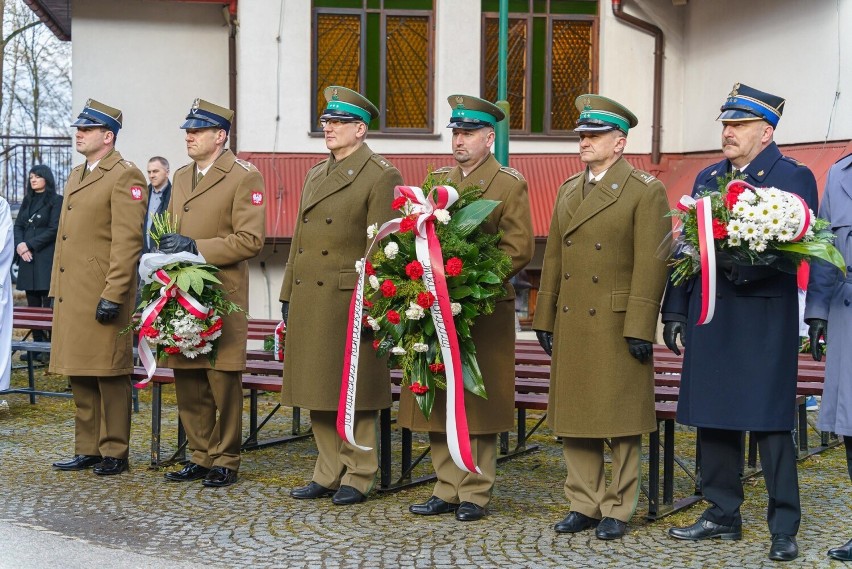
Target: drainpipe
(656, 126)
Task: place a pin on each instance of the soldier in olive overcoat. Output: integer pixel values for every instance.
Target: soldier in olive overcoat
(219, 202)
(342, 195)
(94, 274)
(467, 494)
(597, 307)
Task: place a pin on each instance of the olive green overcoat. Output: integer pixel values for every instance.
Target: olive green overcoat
(97, 247)
(339, 201)
(494, 334)
(602, 281)
(226, 216)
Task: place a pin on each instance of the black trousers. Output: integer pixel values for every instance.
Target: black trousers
(721, 455)
(38, 298)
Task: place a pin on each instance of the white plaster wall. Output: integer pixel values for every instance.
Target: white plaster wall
(785, 47)
(151, 60)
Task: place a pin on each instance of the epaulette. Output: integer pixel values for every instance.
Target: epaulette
(793, 161)
(127, 163)
(643, 177)
(184, 167)
(248, 166)
(443, 170)
(381, 161)
(512, 172)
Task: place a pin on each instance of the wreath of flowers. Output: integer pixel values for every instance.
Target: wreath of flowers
(400, 305)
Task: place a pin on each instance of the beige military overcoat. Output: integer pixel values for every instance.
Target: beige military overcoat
(602, 281)
(339, 201)
(226, 216)
(97, 248)
(494, 334)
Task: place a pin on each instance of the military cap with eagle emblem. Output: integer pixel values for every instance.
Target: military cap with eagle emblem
(204, 114)
(600, 114)
(472, 112)
(346, 105)
(746, 103)
(98, 114)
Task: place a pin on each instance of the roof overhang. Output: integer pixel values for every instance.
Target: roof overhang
(56, 14)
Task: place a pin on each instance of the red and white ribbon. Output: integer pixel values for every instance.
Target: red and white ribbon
(277, 345)
(804, 218)
(149, 315)
(707, 251)
(429, 255)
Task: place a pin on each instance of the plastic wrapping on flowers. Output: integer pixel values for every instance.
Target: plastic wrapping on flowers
(752, 226)
(175, 326)
(400, 305)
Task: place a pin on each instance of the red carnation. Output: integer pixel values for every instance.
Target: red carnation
(388, 288)
(368, 304)
(200, 345)
(436, 368)
(425, 299)
(407, 224)
(171, 350)
(376, 344)
(417, 388)
(414, 270)
(398, 203)
(454, 267)
(720, 231)
(148, 332)
(392, 316)
(368, 268)
(733, 195)
(215, 327)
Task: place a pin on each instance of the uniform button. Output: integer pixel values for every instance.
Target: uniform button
(567, 242)
(64, 237)
(846, 302)
(319, 283)
(301, 250)
(305, 219)
(60, 299)
(564, 309)
(594, 278)
(69, 207)
(298, 281)
(186, 208)
(324, 252)
(592, 312)
(849, 269)
(598, 246)
(61, 269)
(328, 220)
(567, 276)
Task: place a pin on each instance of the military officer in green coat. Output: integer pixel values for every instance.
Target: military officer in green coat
(467, 494)
(342, 196)
(600, 292)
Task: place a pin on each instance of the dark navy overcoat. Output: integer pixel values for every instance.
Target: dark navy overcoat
(739, 370)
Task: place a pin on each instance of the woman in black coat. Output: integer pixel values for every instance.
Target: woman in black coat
(35, 238)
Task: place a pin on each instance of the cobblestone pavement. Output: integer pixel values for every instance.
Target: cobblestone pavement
(256, 524)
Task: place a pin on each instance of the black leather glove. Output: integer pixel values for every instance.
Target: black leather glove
(671, 330)
(817, 327)
(106, 311)
(546, 341)
(642, 350)
(177, 243)
(285, 310)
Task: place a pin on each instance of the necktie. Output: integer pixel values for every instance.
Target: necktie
(198, 178)
(85, 172)
(588, 187)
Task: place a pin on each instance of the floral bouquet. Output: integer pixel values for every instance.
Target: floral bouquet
(754, 226)
(400, 306)
(181, 305)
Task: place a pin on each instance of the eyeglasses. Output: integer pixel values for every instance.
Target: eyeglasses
(334, 124)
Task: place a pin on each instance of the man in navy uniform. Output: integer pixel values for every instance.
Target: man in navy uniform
(739, 373)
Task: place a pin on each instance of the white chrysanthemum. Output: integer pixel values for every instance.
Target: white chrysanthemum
(734, 241)
(373, 323)
(758, 246)
(455, 308)
(749, 230)
(784, 234)
(391, 250)
(397, 350)
(374, 282)
(748, 196)
(735, 227)
(414, 311)
(740, 208)
(442, 215)
(420, 347)
(372, 230)
(359, 265)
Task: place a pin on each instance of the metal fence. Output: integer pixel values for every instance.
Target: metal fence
(20, 153)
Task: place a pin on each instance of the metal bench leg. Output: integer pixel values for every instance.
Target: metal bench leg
(297, 421)
(252, 438)
(135, 396)
(668, 462)
(405, 461)
(385, 447)
(31, 377)
(156, 422)
(803, 429)
(654, 473)
(180, 454)
(504, 442)
(522, 429)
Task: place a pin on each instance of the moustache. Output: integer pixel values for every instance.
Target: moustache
(730, 141)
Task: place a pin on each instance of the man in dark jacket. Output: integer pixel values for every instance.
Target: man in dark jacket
(739, 373)
(159, 193)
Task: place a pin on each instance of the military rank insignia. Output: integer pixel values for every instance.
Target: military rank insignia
(136, 192)
(257, 198)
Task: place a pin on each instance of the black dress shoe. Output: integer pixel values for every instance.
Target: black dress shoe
(432, 507)
(783, 548)
(843, 553)
(611, 528)
(110, 466)
(311, 492)
(347, 495)
(705, 529)
(79, 462)
(189, 472)
(575, 522)
(469, 512)
(219, 477)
